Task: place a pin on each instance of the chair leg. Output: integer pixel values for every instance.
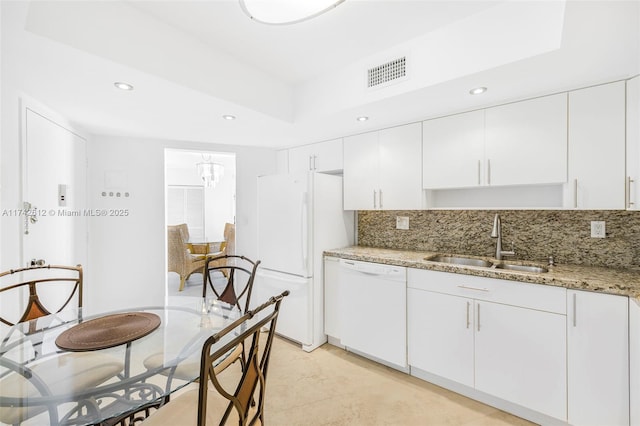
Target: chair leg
(182, 280)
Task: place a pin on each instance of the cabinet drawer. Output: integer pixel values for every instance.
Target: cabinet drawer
(532, 296)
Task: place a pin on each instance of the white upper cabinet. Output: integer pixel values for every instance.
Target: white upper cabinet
(453, 151)
(526, 142)
(318, 157)
(361, 172)
(383, 170)
(522, 143)
(596, 148)
(633, 144)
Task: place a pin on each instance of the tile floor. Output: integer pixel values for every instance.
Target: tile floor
(330, 386)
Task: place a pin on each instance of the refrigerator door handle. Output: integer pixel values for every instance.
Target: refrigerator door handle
(304, 237)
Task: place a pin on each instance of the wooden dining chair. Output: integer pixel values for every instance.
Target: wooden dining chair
(234, 288)
(45, 290)
(238, 401)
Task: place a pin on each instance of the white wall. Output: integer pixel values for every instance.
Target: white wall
(127, 254)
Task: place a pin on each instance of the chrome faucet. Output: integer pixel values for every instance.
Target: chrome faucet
(497, 233)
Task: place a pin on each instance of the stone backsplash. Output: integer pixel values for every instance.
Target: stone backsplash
(536, 234)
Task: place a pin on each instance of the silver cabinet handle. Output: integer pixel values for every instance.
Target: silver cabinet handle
(628, 188)
(575, 322)
(479, 171)
(575, 193)
(488, 171)
(375, 203)
(473, 288)
(380, 197)
(478, 307)
(468, 311)
(315, 165)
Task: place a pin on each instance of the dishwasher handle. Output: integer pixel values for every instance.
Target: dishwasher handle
(371, 268)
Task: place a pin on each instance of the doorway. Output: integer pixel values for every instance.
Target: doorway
(200, 191)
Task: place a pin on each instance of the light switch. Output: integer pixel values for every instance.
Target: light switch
(62, 195)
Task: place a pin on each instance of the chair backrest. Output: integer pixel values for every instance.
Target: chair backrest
(231, 279)
(33, 278)
(250, 389)
(230, 238)
(176, 249)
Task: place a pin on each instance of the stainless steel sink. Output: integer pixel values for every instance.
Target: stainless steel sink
(521, 268)
(459, 260)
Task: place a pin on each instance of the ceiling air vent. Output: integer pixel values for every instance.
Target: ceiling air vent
(387, 72)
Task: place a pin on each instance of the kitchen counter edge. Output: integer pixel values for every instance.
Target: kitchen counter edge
(621, 282)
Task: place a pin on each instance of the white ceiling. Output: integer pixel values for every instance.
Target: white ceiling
(193, 61)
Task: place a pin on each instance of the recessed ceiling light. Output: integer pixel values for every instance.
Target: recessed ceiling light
(229, 117)
(123, 86)
(362, 118)
(478, 90)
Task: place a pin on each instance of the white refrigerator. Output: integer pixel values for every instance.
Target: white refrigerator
(299, 216)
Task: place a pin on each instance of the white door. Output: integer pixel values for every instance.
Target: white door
(54, 185)
(440, 334)
(283, 223)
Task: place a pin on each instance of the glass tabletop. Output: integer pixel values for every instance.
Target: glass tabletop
(42, 383)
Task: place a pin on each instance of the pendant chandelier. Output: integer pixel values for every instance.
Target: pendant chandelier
(210, 172)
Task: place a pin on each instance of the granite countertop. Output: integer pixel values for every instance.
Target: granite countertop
(604, 280)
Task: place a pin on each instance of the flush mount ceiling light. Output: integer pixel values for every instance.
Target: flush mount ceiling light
(285, 12)
(478, 90)
(229, 117)
(362, 118)
(123, 86)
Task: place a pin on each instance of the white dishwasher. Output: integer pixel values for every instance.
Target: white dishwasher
(374, 310)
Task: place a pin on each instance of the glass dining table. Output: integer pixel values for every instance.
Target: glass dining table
(47, 377)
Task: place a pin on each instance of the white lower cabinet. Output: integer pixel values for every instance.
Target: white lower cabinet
(598, 358)
(634, 361)
(520, 356)
(332, 299)
(434, 318)
(503, 338)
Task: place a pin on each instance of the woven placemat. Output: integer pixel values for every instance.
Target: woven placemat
(108, 331)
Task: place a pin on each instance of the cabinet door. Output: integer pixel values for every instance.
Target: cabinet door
(526, 142)
(440, 334)
(598, 359)
(361, 172)
(633, 143)
(400, 184)
(301, 159)
(520, 356)
(597, 143)
(332, 300)
(328, 156)
(634, 360)
(453, 151)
